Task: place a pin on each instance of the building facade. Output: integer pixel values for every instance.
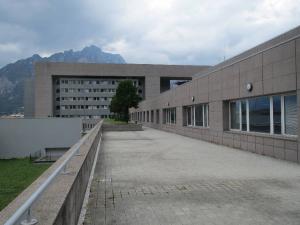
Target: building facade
(249, 102)
(85, 90)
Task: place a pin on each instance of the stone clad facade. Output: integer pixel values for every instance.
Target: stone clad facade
(268, 71)
(85, 89)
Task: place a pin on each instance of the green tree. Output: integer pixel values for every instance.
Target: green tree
(125, 98)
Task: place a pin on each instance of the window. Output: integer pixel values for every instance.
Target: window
(276, 114)
(259, 114)
(152, 116)
(235, 115)
(244, 115)
(196, 115)
(199, 117)
(290, 114)
(266, 114)
(169, 116)
(190, 115)
(157, 116)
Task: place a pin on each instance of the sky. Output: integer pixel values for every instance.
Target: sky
(196, 32)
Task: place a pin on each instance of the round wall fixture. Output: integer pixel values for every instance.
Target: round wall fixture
(193, 98)
(249, 87)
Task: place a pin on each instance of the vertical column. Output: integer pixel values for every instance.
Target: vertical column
(152, 87)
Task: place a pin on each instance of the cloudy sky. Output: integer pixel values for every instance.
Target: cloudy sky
(143, 31)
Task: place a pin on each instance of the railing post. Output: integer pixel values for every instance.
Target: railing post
(65, 171)
(29, 220)
(78, 151)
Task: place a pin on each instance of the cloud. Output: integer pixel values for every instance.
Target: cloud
(143, 31)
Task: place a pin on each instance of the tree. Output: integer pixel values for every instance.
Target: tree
(125, 98)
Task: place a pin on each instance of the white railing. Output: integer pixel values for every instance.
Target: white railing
(25, 209)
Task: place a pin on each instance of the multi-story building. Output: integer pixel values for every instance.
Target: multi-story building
(85, 90)
(250, 101)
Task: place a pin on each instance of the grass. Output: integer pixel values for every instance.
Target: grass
(113, 121)
(15, 176)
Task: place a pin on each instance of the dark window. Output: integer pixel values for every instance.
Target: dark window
(259, 114)
(277, 114)
(199, 115)
(152, 116)
(244, 115)
(173, 115)
(189, 114)
(235, 115)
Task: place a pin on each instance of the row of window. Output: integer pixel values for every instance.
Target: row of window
(85, 90)
(169, 116)
(83, 116)
(94, 82)
(102, 82)
(268, 114)
(64, 107)
(102, 99)
(146, 116)
(196, 115)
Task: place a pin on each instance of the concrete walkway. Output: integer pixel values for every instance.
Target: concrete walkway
(153, 177)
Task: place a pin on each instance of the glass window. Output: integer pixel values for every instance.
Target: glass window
(290, 114)
(173, 115)
(189, 112)
(152, 116)
(244, 115)
(199, 115)
(169, 116)
(235, 115)
(277, 114)
(259, 114)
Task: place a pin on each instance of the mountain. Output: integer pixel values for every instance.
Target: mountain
(13, 75)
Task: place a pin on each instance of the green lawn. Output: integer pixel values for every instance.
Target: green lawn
(113, 121)
(15, 176)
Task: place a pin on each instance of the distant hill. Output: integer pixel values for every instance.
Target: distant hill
(12, 76)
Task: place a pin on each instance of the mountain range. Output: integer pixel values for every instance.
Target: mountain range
(13, 75)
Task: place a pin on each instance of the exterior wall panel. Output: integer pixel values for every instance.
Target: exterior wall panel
(273, 68)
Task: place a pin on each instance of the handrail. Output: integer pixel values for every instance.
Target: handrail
(26, 206)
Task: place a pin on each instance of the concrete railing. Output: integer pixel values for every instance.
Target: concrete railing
(56, 197)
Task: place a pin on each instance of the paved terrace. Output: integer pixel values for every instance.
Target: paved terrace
(153, 177)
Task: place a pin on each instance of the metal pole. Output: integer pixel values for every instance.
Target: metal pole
(29, 220)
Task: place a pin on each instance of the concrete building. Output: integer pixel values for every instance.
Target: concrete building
(250, 101)
(85, 90)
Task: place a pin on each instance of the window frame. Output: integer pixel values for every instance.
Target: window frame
(167, 116)
(271, 111)
(205, 115)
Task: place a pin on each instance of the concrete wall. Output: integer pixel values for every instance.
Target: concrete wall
(61, 202)
(44, 73)
(272, 68)
(22, 137)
